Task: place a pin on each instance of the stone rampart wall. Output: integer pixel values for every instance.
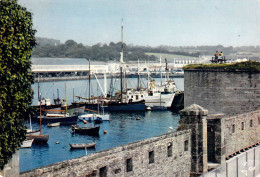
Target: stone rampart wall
(241, 132)
(12, 168)
(225, 92)
(166, 155)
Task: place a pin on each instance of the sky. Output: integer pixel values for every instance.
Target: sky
(148, 22)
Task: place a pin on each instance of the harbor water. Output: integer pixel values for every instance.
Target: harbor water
(122, 128)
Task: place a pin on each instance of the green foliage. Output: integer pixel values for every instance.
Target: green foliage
(248, 65)
(16, 43)
(97, 52)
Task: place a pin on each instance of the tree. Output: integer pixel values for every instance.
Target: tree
(70, 43)
(16, 43)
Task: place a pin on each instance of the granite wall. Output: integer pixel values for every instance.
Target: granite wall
(165, 155)
(241, 131)
(221, 91)
(12, 168)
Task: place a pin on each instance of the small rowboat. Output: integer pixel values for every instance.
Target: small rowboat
(82, 145)
(53, 124)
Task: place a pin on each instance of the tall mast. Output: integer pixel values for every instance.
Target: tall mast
(167, 73)
(121, 62)
(89, 80)
(138, 74)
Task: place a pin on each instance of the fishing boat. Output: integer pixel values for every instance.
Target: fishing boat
(156, 96)
(27, 143)
(82, 145)
(86, 130)
(41, 139)
(53, 124)
(62, 118)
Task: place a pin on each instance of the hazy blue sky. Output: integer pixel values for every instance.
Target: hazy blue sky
(149, 22)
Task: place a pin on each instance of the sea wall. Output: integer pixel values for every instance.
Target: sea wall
(220, 91)
(165, 155)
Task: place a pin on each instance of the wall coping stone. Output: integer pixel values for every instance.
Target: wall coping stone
(222, 70)
(215, 116)
(194, 110)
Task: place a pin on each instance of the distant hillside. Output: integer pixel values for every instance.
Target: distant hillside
(110, 52)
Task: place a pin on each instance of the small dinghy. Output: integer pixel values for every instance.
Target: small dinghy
(53, 124)
(82, 145)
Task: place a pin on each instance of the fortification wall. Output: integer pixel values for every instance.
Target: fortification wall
(225, 92)
(166, 155)
(12, 168)
(241, 131)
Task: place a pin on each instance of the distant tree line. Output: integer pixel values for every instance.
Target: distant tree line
(110, 52)
(97, 52)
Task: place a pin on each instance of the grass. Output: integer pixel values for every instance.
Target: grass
(248, 65)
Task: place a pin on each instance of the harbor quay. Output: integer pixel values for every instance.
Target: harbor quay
(75, 69)
(221, 138)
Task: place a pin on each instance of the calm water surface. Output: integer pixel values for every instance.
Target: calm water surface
(121, 129)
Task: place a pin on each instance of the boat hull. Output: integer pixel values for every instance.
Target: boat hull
(82, 145)
(94, 131)
(62, 120)
(92, 117)
(38, 138)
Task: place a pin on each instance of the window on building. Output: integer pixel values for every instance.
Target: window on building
(186, 145)
(251, 123)
(142, 96)
(169, 150)
(258, 120)
(242, 125)
(151, 157)
(233, 128)
(103, 172)
(129, 165)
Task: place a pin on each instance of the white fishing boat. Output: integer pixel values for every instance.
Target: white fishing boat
(156, 96)
(27, 143)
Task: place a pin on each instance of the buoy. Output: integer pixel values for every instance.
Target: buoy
(84, 121)
(138, 118)
(105, 132)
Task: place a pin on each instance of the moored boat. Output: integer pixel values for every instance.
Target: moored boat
(38, 138)
(62, 118)
(86, 130)
(82, 145)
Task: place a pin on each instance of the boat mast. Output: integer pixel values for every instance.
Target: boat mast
(161, 68)
(89, 80)
(167, 73)
(66, 96)
(121, 63)
(40, 116)
(138, 81)
(38, 88)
